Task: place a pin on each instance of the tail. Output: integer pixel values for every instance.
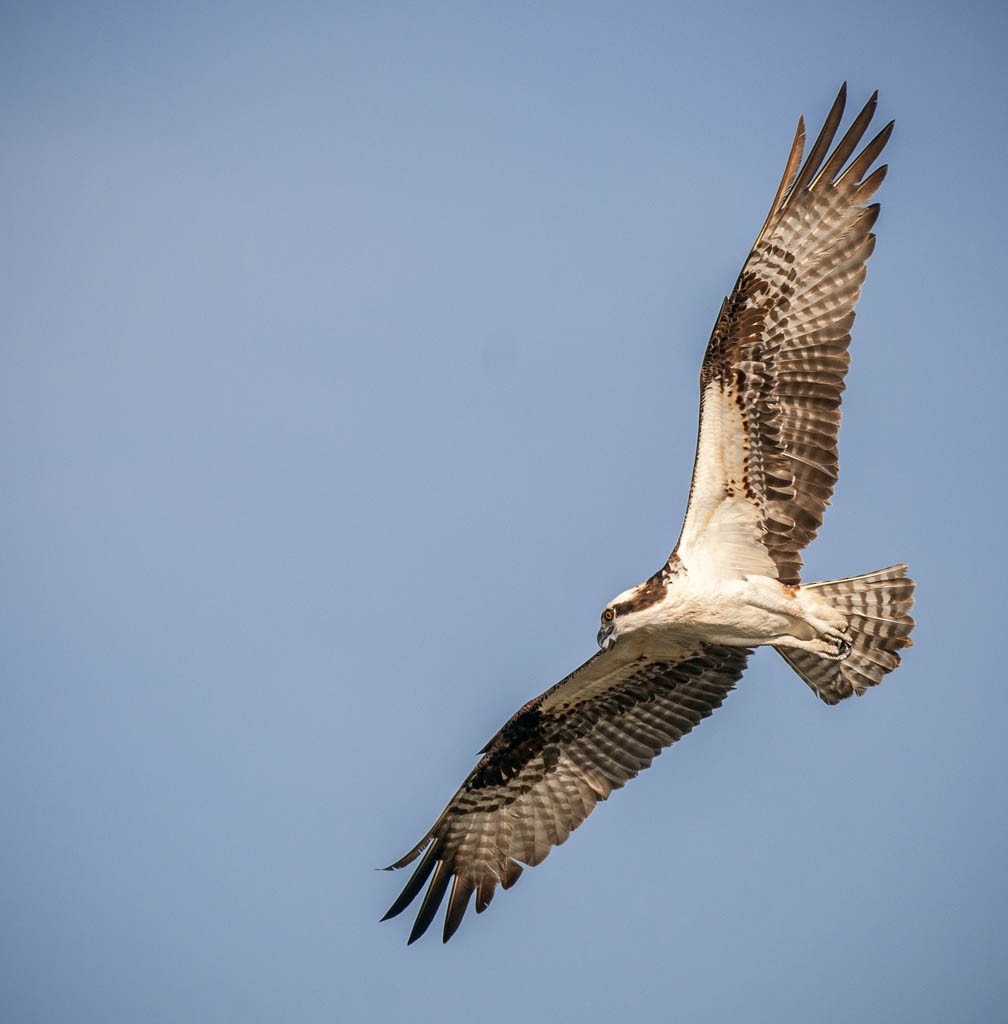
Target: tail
(877, 607)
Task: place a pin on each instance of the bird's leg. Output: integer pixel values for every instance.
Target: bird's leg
(836, 647)
(813, 624)
(831, 628)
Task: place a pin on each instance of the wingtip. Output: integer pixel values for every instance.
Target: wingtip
(841, 99)
(408, 858)
(420, 926)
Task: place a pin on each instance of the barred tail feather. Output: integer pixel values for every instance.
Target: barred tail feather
(877, 607)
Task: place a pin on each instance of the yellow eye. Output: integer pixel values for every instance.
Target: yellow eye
(607, 615)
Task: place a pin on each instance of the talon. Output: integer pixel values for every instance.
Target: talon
(844, 647)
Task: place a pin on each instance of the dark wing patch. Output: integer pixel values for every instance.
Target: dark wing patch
(779, 347)
(543, 773)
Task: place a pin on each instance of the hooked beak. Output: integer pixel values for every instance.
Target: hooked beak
(605, 636)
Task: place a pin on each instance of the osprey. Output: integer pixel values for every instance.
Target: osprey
(672, 647)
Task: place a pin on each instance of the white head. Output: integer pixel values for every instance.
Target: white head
(636, 608)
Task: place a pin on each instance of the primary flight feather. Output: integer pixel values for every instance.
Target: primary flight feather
(672, 647)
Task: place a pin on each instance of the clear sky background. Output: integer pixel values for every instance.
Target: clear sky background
(350, 362)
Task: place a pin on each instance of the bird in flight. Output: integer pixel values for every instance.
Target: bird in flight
(672, 647)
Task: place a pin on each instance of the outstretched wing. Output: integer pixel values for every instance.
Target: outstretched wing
(543, 773)
(774, 369)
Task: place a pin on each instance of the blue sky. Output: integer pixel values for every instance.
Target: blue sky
(350, 359)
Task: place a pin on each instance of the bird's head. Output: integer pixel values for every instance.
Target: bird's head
(632, 610)
(607, 631)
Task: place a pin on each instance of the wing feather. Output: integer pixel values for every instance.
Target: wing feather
(546, 769)
(777, 360)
